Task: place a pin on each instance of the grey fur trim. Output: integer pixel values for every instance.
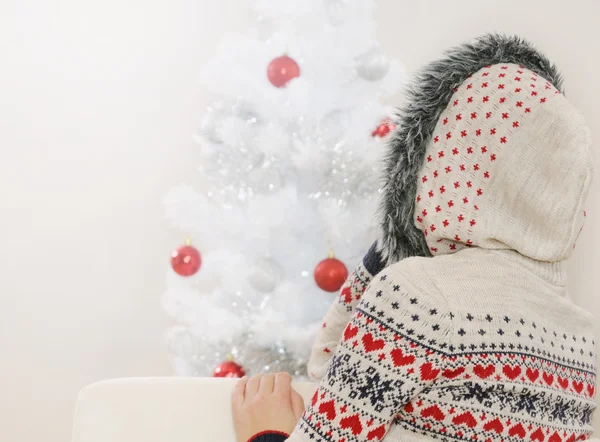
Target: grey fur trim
(427, 98)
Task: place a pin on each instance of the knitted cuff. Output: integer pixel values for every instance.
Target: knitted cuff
(269, 436)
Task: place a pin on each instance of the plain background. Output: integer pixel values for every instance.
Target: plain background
(98, 102)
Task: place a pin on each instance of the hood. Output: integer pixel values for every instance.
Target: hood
(488, 153)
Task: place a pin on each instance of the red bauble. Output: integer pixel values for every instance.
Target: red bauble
(229, 369)
(186, 260)
(281, 70)
(330, 274)
(383, 129)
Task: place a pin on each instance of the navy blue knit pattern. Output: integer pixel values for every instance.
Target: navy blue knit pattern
(373, 261)
(269, 437)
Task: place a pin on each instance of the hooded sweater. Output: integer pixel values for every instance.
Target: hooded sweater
(458, 325)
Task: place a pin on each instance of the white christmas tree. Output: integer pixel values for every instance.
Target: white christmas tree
(291, 151)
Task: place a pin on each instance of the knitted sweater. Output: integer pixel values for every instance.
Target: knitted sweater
(479, 341)
(475, 346)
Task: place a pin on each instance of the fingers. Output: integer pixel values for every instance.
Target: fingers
(297, 404)
(283, 384)
(252, 386)
(239, 392)
(264, 384)
(267, 383)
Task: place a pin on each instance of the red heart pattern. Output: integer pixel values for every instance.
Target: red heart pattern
(538, 435)
(578, 386)
(451, 374)
(548, 378)
(532, 374)
(328, 409)
(346, 294)
(377, 433)
(400, 359)
(465, 418)
(371, 344)
(433, 412)
(315, 398)
(428, 373)
(350, 332)
(517, 430)
(482, 372)
(352, 423)
(494, 425)
(511, 372)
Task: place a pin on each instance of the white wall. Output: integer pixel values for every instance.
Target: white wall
(98, 101)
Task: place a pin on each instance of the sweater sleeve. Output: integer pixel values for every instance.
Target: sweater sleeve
(340, 313)
(383, 360)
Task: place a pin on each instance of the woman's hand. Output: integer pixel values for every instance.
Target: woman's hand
(265, 403)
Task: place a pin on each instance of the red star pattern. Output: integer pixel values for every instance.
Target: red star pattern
(467, 170)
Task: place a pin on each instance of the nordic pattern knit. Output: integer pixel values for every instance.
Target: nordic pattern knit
(512, 359)
(480, 342)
